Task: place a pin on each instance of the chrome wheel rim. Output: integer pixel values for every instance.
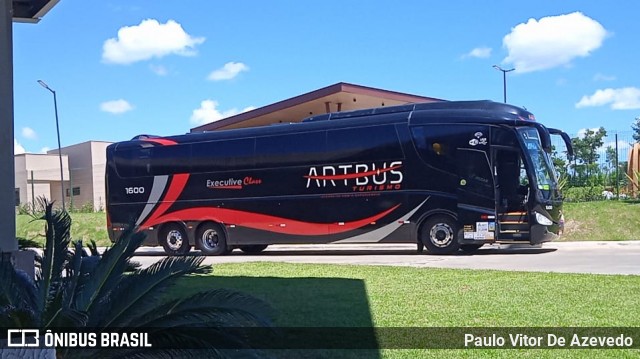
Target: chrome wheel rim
(210, 240)
(441, 235)
(174, 239)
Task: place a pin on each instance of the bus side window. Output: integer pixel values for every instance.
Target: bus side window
(434, 146)
(222, 155)
(167, 160)
(372, 143)
(504, 137)
(291, 149)
(475, 170)
(133, 162)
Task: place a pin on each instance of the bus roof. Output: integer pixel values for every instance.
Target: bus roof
(454, 108)
(419, 113)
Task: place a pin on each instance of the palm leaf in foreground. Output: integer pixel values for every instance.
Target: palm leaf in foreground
(145, 287)
(101, 294)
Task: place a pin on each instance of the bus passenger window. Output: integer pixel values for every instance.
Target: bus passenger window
(434, 145)
(133, 162)
(475, 170)
(371, 143)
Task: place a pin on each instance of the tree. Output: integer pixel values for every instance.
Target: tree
(586, 149)
(636, 129)
(559, 162)
(73, 290)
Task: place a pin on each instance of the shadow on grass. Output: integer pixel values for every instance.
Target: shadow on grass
(314, 317)
(511, 251)
(28, 243)
(157, 251)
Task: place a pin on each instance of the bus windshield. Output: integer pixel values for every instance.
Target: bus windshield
(544, 174)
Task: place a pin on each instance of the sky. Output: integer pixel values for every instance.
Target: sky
(121, 68)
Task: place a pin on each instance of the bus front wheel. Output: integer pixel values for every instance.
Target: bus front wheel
(211, 240)
(439, 235)
(173, 239)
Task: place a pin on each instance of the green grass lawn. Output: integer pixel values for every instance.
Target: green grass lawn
(587, 221)
(311, 295)
(602, 220)
(85, 226)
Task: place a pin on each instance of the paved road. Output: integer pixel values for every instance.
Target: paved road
(564, 257)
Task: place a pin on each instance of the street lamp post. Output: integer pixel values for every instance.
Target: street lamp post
(504, 80)
(55, 106)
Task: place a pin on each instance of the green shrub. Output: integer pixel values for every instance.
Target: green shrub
(31, 209)
(583, 194)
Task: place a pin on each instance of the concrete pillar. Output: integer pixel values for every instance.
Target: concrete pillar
(8, 242)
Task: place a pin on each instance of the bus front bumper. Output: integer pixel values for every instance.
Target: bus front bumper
(540, 234)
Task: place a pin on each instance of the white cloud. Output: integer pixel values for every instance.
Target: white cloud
(583, 131)
(116, 107)
(17, 148)
(147, 40)
(479, 52)
(228, 71)
(158, 70)
(603, 77)
(29, 133)
(552, 41)
(45, 150)
(626, 98)
(208, 112)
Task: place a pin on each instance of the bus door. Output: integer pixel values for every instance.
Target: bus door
(476, 192)
(512, 194)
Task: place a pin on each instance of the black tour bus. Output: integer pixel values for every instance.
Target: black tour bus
(444, 175)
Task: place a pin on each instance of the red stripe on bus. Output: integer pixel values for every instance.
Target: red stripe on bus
(265, 222)
(178, 182)
(161, 141)
(353, 175)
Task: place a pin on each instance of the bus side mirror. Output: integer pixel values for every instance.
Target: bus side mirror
(565, 138)
(545, 139)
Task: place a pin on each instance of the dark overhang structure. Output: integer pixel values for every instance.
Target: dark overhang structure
(31, 10)
(334, 98)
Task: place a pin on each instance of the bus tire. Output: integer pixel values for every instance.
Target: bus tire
(211, 239)
(253, 249)
(174, 240)
(470, 248)
(440, 235)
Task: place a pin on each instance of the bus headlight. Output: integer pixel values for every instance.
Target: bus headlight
(543, 220)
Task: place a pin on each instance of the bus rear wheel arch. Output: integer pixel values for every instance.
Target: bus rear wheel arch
(211, 239)
(173, 238)
(439, 234)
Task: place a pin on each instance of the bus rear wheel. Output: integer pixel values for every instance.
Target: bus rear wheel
(211, 240)
(439, 235)
(173, 239)
(253, 249)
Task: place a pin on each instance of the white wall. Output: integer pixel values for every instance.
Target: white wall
(38, 175)
(83, 166)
